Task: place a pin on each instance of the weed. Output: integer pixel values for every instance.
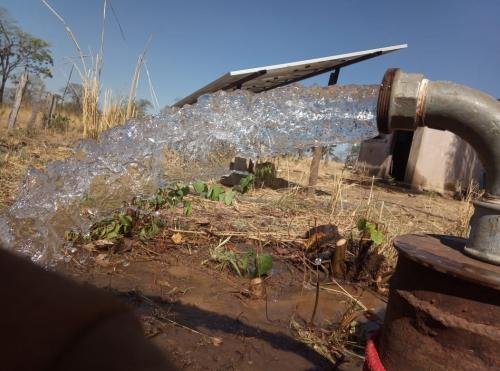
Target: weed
(59, 122)
(246, 264)
(214, 193)
(151, 229)
(119, 226)
(247, 183)
(370, 230)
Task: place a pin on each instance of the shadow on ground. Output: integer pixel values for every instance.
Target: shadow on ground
(205, 321)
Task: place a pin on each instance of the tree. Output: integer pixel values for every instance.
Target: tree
(34, 90)
(20, 51)
(72, 95)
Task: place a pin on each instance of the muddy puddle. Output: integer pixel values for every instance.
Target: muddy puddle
(204, 318)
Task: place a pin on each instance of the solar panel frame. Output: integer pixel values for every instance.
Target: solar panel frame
(260, 79)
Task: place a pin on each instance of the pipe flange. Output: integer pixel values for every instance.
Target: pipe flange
(484, 237)
(384, 101)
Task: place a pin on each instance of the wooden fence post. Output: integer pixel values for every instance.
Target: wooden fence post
(314, 169)
(23, 80)
(51, 108)
(318, 151)
(34, 113)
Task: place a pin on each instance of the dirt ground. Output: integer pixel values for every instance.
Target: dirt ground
(204, 317)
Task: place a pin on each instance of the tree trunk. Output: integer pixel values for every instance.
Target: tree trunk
(51, 108)
(17, 101)
(326, 154)
(2, 88)
(314, 170)
(35, 108)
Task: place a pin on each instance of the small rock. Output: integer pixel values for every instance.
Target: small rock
(216, 341)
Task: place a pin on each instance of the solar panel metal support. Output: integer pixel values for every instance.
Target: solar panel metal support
(334, 77)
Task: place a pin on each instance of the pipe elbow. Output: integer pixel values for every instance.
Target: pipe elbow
(407, 101)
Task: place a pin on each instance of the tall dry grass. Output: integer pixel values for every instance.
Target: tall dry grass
(25, 115)
(114, 111)
(472, 193)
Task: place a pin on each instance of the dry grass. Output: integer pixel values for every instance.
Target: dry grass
(466, 210)
(20, 150)
(24, 117)
(115, 111)
(345, 197)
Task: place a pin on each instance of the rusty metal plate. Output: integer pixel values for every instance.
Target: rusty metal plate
(444, 254)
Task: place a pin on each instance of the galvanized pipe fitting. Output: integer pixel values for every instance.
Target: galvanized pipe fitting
(407, 101)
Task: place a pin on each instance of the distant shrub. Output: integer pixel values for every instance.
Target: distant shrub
(58, 122)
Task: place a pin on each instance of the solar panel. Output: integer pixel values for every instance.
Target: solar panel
(260, 79)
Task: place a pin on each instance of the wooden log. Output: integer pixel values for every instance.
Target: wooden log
(21, 86)
(338, 263)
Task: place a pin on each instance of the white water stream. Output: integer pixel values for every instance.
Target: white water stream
(195, 142)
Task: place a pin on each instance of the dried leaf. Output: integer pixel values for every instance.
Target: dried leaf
(320, 235)
(89, 247)
(103, 243)
(177, 238)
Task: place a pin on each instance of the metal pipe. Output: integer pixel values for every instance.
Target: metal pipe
(408, 101)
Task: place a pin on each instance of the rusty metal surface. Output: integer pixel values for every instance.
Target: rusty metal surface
(444, 254)
(444, 309)
(384, 100)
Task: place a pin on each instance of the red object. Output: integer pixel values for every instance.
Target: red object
(372, 360)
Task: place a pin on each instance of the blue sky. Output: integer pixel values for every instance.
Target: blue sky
(194, 42)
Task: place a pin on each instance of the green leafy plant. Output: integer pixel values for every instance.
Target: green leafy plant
(264, 171)
(244, 264)
(247, 183)
(119, 226)
(214, 193)
(177, 193)
(171, 195)
(72, 236)
(263, 264)
(229, 197)
(200, 187)
(150, 230)
(371, 230)
(59, 122)
(188, 208)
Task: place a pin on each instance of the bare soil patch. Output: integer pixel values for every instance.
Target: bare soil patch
(204, 316)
